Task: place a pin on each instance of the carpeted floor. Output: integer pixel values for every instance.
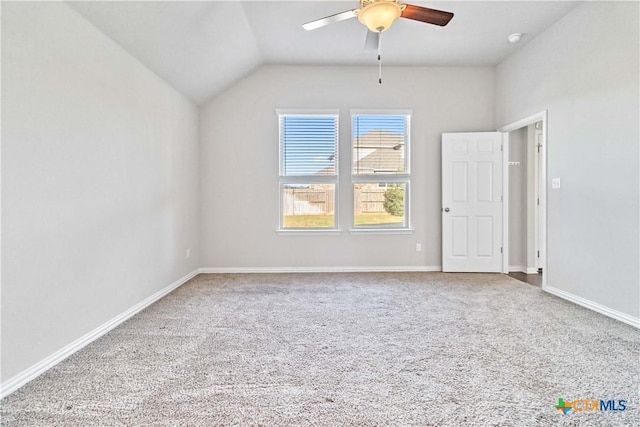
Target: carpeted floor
(356, 349)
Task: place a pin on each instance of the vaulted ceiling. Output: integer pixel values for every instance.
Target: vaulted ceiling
(202, 47)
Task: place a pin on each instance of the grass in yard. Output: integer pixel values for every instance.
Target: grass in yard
(378, 218)
(308, 221)
(326, 221)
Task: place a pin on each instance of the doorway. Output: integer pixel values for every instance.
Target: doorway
(525, 201)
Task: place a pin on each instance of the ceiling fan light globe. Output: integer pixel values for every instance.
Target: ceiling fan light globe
(380, 15)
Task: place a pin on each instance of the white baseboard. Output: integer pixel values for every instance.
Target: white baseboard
(609, 312)
(522, 269)
(29, 374)
(350, 269)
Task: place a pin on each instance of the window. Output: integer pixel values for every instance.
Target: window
(380, 170)
(308, 170)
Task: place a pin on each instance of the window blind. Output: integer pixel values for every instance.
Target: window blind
(379, 144)
(308, 145)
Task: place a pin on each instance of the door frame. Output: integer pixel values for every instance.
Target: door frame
(542, 185)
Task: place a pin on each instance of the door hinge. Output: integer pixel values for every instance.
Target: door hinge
(538, 201)
(501, 147)
(500, 250)
(501, 199)
(538, 254)
(539, 145)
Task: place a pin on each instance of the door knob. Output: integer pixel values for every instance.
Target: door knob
(446, 209)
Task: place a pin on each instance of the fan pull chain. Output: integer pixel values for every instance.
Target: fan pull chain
(380, 57)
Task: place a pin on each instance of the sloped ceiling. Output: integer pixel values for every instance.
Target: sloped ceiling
(200, 48)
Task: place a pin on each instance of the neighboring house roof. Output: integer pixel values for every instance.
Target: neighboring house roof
(379, 152)
(376, 152)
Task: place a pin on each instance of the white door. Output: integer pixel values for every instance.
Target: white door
(472, 202)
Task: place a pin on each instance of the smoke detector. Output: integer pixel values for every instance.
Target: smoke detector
(514, 38)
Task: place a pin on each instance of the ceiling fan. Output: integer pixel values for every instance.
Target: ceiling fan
(378, 15)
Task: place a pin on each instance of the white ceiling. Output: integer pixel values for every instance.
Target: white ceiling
(202, 47)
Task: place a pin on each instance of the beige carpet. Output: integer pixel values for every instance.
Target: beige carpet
(390, 349)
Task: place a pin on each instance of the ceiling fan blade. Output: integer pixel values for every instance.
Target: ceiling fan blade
(424, 14)
(329, 20)
(371, 43)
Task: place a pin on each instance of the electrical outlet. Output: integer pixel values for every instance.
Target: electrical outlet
(556, 183)
(418, 247)
(188, 253)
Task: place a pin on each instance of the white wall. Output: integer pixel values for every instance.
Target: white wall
(239, 161)
(584, 70)
(99, 182)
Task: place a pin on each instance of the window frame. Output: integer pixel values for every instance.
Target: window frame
(308, 179)
(388, 178)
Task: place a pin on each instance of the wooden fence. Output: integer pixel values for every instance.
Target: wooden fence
(369, 200)
(307, 201)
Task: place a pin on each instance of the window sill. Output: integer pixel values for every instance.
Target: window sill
(381, 231)
(309, 232)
